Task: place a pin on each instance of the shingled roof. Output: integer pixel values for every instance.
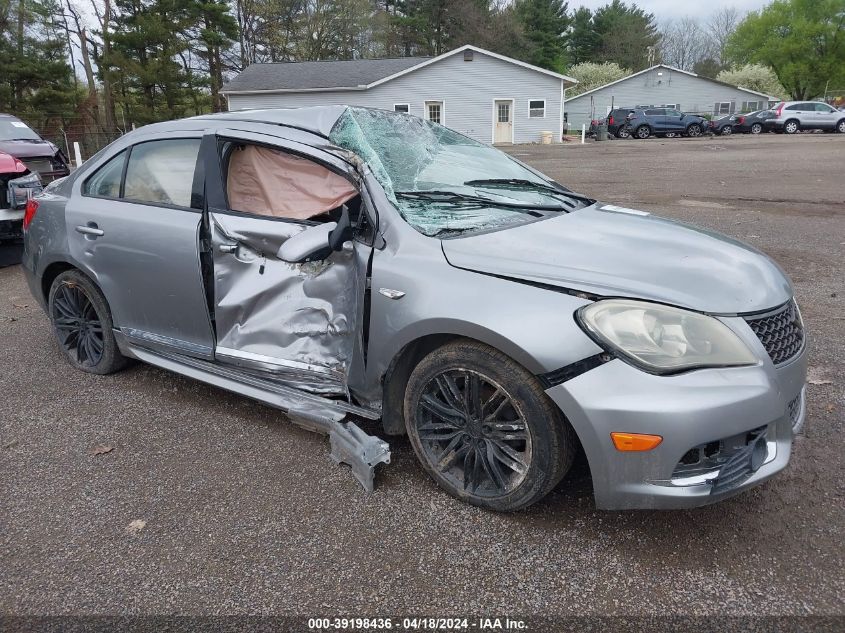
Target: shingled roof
(351, 74)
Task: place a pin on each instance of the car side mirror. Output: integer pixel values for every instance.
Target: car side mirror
(317, 242)
(682, 115)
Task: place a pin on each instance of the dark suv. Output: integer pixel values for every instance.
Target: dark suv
(645, 122)
(616, 122)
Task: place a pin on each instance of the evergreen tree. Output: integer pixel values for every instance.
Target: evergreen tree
(545, 24)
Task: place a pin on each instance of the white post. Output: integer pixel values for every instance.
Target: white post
(77, 154)
(583, 133)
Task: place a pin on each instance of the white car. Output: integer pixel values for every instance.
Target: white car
(791, 116)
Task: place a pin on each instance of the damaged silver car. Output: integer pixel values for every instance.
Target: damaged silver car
(347, 265)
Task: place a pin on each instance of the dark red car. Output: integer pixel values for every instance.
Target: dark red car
(40, 156)
(17, 185)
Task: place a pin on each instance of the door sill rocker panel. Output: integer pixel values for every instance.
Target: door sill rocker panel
(349, 444)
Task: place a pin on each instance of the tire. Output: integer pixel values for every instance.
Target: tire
(694, 130)
(791, 126)
(623, 133)
(457, 443)
(82, 324)
(756, 128)
(727, 130)
(840, 127)
(642, 132)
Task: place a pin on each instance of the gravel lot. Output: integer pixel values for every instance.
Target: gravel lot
(245, 513)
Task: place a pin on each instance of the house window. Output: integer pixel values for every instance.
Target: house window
(537, 109)
(672, 106)
(722, 107)
(751, 106)
(434, 111)
(401, 107)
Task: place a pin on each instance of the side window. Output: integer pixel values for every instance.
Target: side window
(823, 107)
(269, 182)
(105, 183)
(162, 172)
(795, 106)
(654, 112)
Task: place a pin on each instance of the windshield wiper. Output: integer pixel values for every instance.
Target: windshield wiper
(455, 197)
(521, 183)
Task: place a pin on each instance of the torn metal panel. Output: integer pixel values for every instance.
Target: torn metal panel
(296, 321)
(351, 445)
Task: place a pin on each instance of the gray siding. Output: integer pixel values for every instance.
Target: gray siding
(467, 89)
(690, 94)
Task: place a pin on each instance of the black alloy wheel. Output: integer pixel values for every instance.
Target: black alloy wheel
(474, 433)
(82, 324)
(484, 429)
(78, 327)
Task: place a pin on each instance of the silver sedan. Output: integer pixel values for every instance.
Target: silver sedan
(349, 265)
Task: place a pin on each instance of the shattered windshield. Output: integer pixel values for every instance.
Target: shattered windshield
(443, 183)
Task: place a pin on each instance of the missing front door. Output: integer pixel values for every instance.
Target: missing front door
(503, 121)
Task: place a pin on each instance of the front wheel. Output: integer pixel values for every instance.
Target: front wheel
(643, 132)
(756, 128)
(623, 133)
(82, 324)
(727, 130)
(840, 127)
(483, 428)
(694, 130)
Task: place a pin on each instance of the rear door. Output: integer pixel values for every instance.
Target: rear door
(299, 324)
(657, 118)
(134, 224)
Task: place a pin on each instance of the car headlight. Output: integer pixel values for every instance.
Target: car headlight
(22, 189)
(663, 339)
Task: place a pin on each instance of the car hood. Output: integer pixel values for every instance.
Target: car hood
(29, 149)
(612, 251)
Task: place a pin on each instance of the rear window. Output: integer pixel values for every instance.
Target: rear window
(162, 172)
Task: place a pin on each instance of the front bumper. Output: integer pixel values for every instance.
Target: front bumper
(687, 410)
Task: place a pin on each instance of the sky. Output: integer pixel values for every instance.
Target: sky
(668, 9)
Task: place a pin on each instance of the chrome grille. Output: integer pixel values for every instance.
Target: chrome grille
(780, 332)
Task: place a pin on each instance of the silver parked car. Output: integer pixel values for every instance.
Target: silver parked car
(792, 116)
(343, 263)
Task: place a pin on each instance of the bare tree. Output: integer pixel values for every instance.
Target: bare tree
(720, 27)
(684, 42)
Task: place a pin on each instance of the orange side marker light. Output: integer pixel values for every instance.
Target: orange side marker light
(635, 441)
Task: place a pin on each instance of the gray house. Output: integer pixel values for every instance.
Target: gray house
(489, 97)
(663, 85)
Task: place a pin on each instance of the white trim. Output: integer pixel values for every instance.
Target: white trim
(407, 105)
(672, 68)
(286, 90)
(401, 73)
(470, 47)
(562, 101)
(442, 103)
(495, 118)
(544, 109)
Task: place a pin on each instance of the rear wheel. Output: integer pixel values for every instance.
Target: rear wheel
(694, 130)
(790, 127)
(756, 128)
(82, 324)
(483, 428)
(643, 132)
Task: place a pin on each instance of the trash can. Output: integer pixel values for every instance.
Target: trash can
(546, 138)
(601, 132)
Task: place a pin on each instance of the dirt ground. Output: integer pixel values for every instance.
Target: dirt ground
(245, 514)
